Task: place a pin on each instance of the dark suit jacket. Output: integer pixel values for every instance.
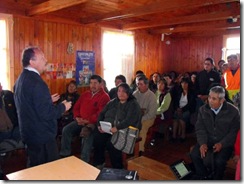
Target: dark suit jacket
(36, 112)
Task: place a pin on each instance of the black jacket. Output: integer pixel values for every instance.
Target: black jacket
(191, 98)
(204, 79)
(222, 128)
(9, 105)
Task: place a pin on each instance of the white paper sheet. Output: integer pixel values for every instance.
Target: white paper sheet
(106, 126)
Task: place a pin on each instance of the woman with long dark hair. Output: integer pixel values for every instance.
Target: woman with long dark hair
(122, 112)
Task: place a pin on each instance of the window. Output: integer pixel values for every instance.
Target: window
(231, 46)
(117, 55)
(6, 75)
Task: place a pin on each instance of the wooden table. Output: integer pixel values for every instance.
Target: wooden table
(149, 169)
(69, 168)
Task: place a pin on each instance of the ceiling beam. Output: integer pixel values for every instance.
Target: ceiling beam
(210, 16)
(200, 27)
(52, 5)
(205, 33)
(163, 5)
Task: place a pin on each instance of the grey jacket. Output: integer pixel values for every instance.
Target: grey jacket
(221, 129)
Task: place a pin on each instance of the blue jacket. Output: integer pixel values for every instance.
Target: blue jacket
(36, 112)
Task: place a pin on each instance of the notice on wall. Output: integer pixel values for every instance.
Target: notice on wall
(60, 70)
(85, 67)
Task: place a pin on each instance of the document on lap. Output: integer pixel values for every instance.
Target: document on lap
(106, 126)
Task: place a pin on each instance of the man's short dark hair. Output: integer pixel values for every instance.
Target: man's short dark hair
(139, 72)
(121, 77)
(28, 54)
(96, 77)
(211, 60)
(143, 78)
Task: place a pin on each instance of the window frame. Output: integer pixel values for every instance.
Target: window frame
(224, 49)
(9, 49)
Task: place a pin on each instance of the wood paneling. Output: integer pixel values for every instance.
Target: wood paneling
(188, 54)
(53, 39)
(147, 53)
(151, 54)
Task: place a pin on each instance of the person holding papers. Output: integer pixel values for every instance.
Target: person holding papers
(121, 112)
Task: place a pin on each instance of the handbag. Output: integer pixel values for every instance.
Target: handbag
(125, 139)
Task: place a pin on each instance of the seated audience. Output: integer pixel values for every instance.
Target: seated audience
(118, 79)
(184, 106)
(216, 129)
(155, 77)
(9, 126)
(220, 64)
(72, 96)
(86, 111)
(227, 97)
(133, 85)
(164, 106)
(148, 103)
(104, 86)
(122, 112)
(164, 99)
(223, 66)
(172, 85)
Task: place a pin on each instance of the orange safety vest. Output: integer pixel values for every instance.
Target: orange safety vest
(232, 83)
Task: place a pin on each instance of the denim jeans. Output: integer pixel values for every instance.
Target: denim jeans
(69, 131)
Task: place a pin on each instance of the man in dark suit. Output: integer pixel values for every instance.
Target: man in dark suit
(36, 112)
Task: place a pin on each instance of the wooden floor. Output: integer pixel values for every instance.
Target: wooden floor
(164, 151)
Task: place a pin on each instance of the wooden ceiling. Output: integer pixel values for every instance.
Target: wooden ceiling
(155, 16)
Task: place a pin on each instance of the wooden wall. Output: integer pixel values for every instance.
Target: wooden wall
(53, 39)
(148, 57)
(188, 54)
(151, 54)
